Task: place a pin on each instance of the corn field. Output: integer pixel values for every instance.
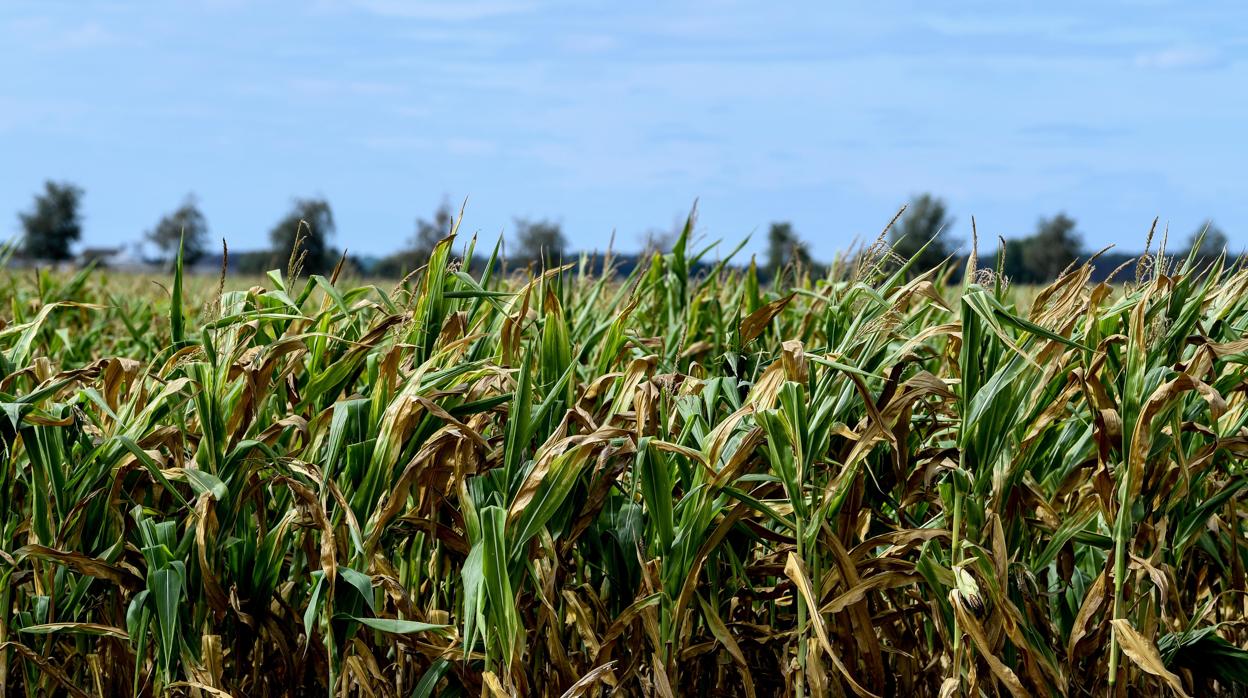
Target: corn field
(870, 482)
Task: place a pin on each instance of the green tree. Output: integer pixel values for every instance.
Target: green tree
(784, 247)
(53, 223)
(1054, 247)
(539, 241)
(926, 218)
(312, 222)
(186, 226)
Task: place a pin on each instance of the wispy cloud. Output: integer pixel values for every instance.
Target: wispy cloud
(614, 113)
(668, 133)
(445, 10)
(471, 146)
(1070, 133)
(396, 142)
(43, 113)
(321, 87)
(458, 146)
(1001, 25)
(1182, 58)
(44, 34)
(590, 44)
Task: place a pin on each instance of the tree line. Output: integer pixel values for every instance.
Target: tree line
(922, 232)
(53, 225)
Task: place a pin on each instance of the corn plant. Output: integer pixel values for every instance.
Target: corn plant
(868, 480)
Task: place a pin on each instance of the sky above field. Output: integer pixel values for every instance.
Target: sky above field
(617, 115)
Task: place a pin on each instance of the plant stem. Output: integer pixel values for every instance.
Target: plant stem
(956, 554)
(6, 591)
(1121, 529)
(802, 638)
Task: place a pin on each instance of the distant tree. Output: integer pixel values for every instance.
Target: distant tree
(99, 256)
(926, 218)
(784, 247)
(316, 229)
(658, 240)
(254, 262)
(1053, 247)
(186, 225)
(430, 233)
(1214, 242)
(395, 265)
(1015, 268)
(53, 223)
(539, 241)
(662, 239)
(416, 253)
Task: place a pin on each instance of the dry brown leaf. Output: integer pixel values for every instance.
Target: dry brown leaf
(758, 320)
(1145, 655)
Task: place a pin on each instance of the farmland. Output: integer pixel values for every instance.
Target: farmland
(872, 482)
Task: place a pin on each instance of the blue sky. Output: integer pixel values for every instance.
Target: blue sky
(615, 116)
